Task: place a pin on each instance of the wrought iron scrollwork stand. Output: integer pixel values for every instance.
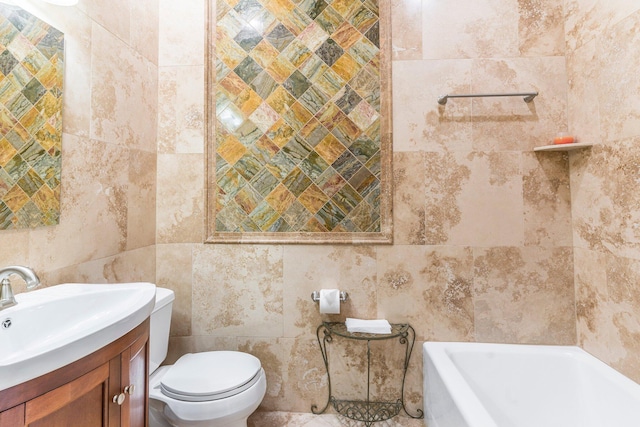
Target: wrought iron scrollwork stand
(366, 410)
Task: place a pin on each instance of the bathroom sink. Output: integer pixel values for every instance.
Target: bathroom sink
(52, 327)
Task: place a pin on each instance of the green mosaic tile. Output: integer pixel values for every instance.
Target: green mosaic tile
(330, 182)
(346, 199)
(248, 70)
(282, 93)
(363, 19)
(264, 216)
(297, 181)
(347, 165)
(296, 149)
(329, 52)
(297, 84)
(313, 165)
(264, 85)
(363, 216)
(248, 38)
(346, 131)
(248, 166)
(30, 182)
(247, 9)
(6, 217)
(264, 182)
(297, 216)
(329, 20)
(248, 133)
(330, 215)
(364, 148)
(313, 8)
(363, 51)
(373, 34)
(314, 99)
(364, 181)
(281, 165)
(280, 37)
(347, 99)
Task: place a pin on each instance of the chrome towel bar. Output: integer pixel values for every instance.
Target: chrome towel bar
(527, 96)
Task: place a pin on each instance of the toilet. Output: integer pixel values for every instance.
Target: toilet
(212, 389)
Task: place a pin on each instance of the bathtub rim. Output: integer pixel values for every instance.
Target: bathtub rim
(468, 403)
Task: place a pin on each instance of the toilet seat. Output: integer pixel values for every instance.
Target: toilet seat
(209, 376)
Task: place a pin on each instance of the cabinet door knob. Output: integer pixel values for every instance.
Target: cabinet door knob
(129, 389)
(119, 398)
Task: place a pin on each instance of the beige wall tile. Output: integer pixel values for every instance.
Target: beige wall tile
(429, 287)
(180, 198)
(619, 54)
(419, 122)
(305, 381)
(237, 290)
(311, 268)
(406, 29)
(540, 27)
(624, 301)
(115, 16)
(271, 353)
(510, 123)
(145, 30)
(174, 271)
(182, 32)
(605, 207)
(93, 221)
(469, 29)
(474, 199)
(124, 93)
(547, 199)
(181, 110)
(586, 20)
(132, 266)
(524, 295)
(593, 316)
(141, 200)
(583, 75)
(409, 177)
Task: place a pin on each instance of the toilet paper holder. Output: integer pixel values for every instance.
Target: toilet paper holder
(315, 296)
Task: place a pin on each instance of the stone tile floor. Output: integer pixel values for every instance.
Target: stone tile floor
(292, 419)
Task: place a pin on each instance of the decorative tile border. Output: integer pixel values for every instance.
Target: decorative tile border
(31, 77)
(299, 132)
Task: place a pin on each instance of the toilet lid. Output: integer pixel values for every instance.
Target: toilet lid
(212, 375)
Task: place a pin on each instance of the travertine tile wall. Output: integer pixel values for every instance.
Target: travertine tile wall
(483, 244)
(603, 52)
(107, 227)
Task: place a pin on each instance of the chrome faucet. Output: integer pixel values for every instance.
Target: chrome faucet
(6, 293)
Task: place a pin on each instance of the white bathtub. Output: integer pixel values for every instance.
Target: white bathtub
(504, 385)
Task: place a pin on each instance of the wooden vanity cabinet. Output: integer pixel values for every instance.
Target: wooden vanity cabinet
(107, 388)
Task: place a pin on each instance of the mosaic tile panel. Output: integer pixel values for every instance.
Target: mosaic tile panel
(31, 67)
(298, 122)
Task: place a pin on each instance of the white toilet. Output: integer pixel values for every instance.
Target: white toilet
(212, 389)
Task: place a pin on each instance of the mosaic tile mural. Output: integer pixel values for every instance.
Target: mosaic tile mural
(299, 122)
(31, 67)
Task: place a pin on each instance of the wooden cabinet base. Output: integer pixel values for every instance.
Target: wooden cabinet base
(82, 394)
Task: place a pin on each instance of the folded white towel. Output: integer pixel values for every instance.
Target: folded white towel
(380, 326)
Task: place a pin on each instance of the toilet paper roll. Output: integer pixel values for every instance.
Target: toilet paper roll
(329, 301)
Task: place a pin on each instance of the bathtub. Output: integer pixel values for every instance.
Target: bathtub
(504, 385)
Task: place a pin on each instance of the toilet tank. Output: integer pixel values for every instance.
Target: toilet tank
(159, 327)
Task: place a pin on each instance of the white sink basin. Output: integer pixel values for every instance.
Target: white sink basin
(52, 327)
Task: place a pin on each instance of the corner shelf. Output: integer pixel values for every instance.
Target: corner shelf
(564, 147)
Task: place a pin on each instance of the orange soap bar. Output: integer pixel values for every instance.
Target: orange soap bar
(563, 139)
